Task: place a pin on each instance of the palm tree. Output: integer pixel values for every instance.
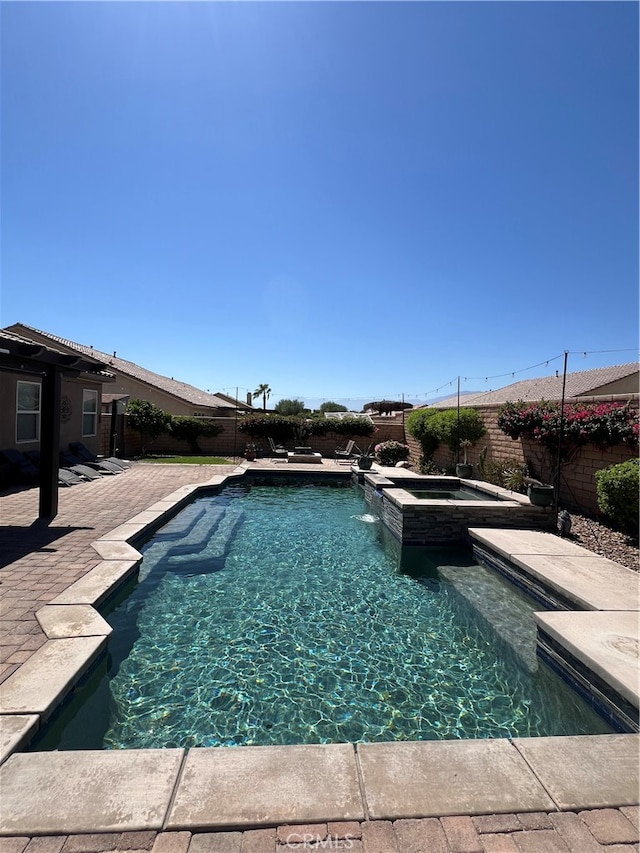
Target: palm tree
(262, 391)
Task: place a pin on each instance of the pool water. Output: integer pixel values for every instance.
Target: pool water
(449, 495)
(283, 615)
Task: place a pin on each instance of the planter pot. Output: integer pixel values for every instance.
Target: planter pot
(365, 462)
(464, 471)
(540, 495)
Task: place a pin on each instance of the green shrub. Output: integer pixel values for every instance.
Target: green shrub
(435, 426)
(508, 473)
(330, 406)
(421, 424)
(390, 452)
(289, 407)
(282, 428)
(617, 490)
(454, 427)
(190, 429)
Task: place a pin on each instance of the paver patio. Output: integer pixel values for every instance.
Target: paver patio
(39, 562)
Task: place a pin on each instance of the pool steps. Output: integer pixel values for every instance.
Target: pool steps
(485, 594)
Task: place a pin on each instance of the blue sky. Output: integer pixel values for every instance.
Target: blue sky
(342, 200)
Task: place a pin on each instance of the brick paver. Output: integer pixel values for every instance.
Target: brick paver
(610, 826)
(424, 835)
(462, 835)
(216, 842)
(539, 841)
(259, 841)
(534, 820)
(569, 833)
(378, 837)
(498, 843)
(39, 560)
(574, 832)
(172, 842)
(493, 823)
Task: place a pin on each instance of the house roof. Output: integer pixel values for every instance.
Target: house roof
(182, 390)
(15, 348)
(580, 384)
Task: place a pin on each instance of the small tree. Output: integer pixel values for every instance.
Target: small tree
(454, 426)
(148, 420)
(421, 424)
(190, 429)
(330, 406)
(289, 407)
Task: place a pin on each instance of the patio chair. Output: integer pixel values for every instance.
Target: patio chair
(277, 449)
(89, 472)
(66, 477)
(104, 466)
(87, 457)
(347, 452)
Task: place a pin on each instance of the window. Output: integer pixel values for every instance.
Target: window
(89, 413)
(28, 411)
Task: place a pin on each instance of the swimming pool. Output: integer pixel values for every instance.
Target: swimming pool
(283, 614)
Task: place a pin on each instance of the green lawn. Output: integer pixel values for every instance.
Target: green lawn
(188, 460)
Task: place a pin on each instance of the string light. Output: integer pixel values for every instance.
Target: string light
(435, 391)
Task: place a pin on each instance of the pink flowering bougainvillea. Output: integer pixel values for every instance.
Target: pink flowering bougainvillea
(604, 424)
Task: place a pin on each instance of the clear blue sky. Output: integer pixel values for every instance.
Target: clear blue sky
(343, 200)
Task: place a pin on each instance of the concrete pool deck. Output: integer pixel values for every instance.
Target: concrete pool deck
(384, 797)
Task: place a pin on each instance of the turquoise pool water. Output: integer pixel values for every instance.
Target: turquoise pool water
(282, 615)
(449, 495)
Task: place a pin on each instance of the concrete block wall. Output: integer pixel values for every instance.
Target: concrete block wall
(232, 440)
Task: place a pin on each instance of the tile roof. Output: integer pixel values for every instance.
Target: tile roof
(579, 384)
(182, 390)
(90, 363)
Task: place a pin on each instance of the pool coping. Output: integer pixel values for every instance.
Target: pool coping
(75, 644)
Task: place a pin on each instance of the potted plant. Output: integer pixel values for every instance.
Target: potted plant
(365, 460)
(464, 469)
(250, 452)
(540, 494)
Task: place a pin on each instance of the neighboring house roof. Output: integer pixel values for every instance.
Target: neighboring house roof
(581, 384)
(181, 390)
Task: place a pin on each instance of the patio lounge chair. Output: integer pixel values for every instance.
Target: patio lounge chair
(66, 477)
(88, 458)
(22, 468)
(90, 472)
(277, 449)
(347, 452)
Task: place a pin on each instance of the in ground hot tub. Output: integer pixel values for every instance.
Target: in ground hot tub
(432, 510)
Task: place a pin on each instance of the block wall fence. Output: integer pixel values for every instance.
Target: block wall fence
(577, 478)
(231, 442)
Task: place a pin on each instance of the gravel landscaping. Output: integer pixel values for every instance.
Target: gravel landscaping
(602, 540)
